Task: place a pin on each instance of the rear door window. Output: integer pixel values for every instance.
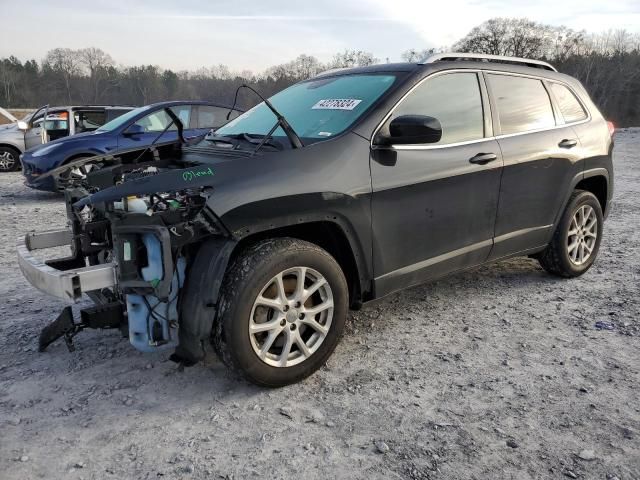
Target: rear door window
(88, 121)
(453, 99)
(523, 103)
(570, 107)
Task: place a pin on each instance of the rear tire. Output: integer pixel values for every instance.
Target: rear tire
(9, 159)
(576, 241)
(282, 311)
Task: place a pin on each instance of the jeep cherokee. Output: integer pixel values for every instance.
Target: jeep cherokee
(337, 191)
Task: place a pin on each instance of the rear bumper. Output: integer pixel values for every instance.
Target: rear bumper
(67, 284)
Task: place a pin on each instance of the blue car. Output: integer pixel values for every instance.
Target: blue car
(133, 132)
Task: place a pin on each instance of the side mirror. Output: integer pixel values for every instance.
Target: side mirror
(24, 126)
(133, 129)
(412, 129)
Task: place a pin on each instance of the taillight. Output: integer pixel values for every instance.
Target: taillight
(612, 128)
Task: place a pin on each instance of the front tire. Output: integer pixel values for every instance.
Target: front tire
(282, 311)
(9, 159)
(80, 172)
(576, 241)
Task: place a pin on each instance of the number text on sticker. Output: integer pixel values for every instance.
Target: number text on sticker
(336, 104)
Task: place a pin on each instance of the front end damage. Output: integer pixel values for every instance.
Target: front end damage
(134, 232)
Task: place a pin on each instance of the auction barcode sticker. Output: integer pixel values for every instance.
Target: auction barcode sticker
(336, 104)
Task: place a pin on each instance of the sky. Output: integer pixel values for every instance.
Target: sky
(256, 34)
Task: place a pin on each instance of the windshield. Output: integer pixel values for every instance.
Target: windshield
(121, 120)
(315, 109)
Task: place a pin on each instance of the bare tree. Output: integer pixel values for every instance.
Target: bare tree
(518, 37)
(8, 78)
(352, 58)
(413, 55)
(489, 37)
(607, 64)
(65, 63)
(98, 64)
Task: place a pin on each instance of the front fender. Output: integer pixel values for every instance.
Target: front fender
(13, 144)
(199, 298)
(351, 214)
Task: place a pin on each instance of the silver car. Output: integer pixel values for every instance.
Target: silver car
(46, 124)
(11, 142)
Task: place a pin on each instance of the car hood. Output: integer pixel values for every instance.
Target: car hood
(232, 173)
(206, 170)
(9, 126)
(77, 138)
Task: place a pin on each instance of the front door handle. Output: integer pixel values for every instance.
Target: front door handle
(568, 143)
(483, 158)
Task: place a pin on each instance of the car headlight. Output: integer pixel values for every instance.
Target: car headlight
(44, 150)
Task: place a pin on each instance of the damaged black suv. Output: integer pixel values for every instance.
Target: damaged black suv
(336, 191)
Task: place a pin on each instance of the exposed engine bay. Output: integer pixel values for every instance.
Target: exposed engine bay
(144, 220)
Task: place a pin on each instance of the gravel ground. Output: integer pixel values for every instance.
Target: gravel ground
(496, 373)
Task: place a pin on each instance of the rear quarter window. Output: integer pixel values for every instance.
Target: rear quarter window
(213, 117)
(87, 121)
(523, 103)
(570, 107)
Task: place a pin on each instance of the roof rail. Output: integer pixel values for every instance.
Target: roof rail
(452, 56)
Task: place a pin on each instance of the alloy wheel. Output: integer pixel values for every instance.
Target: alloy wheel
(582, 235)
(80, 172)
(291, 317)
(7, 161)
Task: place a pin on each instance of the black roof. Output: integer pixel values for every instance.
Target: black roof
(378, 68)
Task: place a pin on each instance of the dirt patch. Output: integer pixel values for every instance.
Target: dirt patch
(496, 373)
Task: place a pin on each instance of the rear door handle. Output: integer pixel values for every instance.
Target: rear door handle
(568, 143)
(483, 158)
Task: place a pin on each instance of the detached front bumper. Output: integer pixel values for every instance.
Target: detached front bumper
(61, 278)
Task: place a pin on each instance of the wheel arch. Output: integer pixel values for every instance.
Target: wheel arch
(329, 235)
(210, 263)
(598, 184)
(15, 153)
(12, 146)
(593, 179)
(76, 156)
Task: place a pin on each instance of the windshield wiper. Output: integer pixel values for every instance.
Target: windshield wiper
(282, 122)
(252, 138)
(227, 139)
(262, 140)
